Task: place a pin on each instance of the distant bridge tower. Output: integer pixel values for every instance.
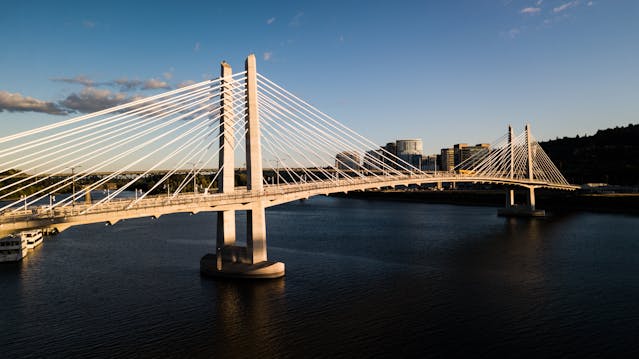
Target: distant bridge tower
(231, 260)
(512, 209)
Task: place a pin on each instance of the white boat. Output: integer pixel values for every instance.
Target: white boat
(13, 248)
(34, 238)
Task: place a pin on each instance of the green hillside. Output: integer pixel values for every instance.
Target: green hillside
(609, 156)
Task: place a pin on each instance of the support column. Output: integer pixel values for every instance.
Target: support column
(531, 198)
(253, 148)
(256, 233)
(512, 150)
(529, 150)
(255, 218)
(226, 181)
(510, 198)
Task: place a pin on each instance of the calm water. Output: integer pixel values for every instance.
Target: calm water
(364, 279)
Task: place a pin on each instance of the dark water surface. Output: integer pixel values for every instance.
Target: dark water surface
(364, 279)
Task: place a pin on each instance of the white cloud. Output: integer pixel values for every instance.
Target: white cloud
(168, 75)
(530, 10)
(268, 55)
(152, 84)
(15, 102)
(91, 99)
(196, 48)
(539, 2)
(270, 21)
(565, 6)
(295, 21)
(591, 3)
(80, 79)
(185, 83)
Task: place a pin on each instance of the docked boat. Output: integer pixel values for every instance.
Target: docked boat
(34, 238)
(13, 248)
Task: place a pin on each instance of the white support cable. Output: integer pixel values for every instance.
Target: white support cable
(102, 112)
(119, 156)
(66, 147)
(301, 143)
(270, 147)
(193, 142)
(270, 106)
(297, 147)
(56, 137)
(84, 158)
(324, 130)
(175, 139)
(326, 118)
(71, 199)
(121, 170)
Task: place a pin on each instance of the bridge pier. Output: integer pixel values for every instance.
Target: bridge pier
(513, 209)
(230, 260)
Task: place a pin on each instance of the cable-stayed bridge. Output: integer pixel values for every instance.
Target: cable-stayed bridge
(242, 120)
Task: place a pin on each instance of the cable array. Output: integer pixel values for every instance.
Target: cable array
(182, 132)
(308, 145)
(176, 130)
(509, 159)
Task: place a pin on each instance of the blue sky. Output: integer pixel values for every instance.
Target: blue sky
(443, 71)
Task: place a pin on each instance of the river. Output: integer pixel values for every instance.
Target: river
(364, 279)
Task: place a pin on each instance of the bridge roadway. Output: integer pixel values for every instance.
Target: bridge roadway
(61, 218)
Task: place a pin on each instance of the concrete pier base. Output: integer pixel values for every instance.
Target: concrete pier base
(520, 211)
(237, 270)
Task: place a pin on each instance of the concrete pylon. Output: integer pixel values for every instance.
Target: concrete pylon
(231, 260)
(226, 181)
(255, 219)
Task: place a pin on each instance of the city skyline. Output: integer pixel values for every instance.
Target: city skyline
(461, 71)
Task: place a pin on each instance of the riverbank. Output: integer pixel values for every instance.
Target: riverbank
(556, 201)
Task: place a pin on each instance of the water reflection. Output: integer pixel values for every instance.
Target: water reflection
(248, 312)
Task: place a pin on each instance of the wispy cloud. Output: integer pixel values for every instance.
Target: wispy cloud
(512, 33)
(268, 55)
(530, 10)
(15, 102)
(196, 48)
(185, 83)
(565, 6)
(539, 2)
(152, 84)
(80, 79)
(295, 21)
(270, 21)
(168, 75)
(88, 24)
(91, 99)
(126, 84)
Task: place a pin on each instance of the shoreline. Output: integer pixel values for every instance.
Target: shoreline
(555, 201)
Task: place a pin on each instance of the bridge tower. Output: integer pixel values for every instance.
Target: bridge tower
(231, 260)
(512, 209)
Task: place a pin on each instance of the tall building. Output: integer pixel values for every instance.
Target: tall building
(447, 159)
(457, 149)
(410, 151)
(477, 153)
(373, 160)
(389, 154)
(429, 163)
(348, 160)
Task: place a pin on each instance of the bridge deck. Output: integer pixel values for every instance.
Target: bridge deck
(115, 210)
